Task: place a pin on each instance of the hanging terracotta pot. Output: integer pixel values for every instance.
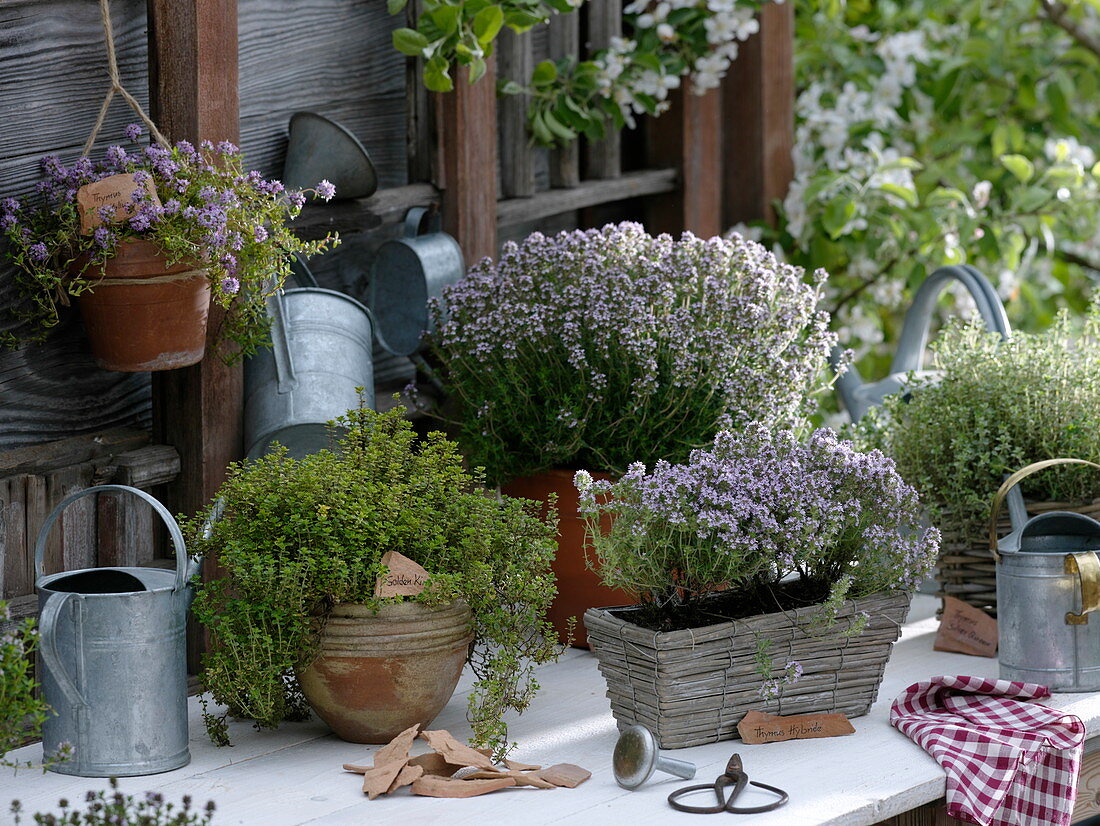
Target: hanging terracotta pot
(578, 587)
(157, 322)
(378, 673)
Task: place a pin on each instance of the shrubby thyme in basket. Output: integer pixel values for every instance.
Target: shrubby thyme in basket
(601, 347)
(995, 407)
(744, 515)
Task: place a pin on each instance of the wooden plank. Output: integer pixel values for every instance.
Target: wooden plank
(1088, 787)
(468, 118)
(420, 136)
(758, 99)
(517, 167)
(125, 530)
(689, 137)
(930, 814)
(72, 540)
(605, 20)
(146, 467)
(72, 451)
(387, 206)
(565, 41)
(16, 551)
(586, 194)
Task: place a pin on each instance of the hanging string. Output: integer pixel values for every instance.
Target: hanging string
(116, 86)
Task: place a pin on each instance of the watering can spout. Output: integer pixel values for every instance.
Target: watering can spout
(848, 382)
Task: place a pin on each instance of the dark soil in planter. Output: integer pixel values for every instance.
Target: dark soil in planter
(725, 606)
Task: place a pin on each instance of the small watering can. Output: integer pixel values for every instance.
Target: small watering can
(858, 397)
(1048, 583)
(321, 352)
(321, 149)
(113, 652)
(407, 274)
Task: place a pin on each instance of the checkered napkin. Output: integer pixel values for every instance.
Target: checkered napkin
(1008, 763)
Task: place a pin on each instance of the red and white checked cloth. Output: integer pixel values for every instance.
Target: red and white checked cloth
(1008, 763)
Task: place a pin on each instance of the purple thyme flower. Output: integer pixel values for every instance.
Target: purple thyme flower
(133, 131)
(230, 285)
(38, 252)
(326, 190)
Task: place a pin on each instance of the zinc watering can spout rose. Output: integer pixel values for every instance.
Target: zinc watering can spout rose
(859, 396)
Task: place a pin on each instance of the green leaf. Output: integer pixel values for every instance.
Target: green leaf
(546, 72)
(511, 88)
(559, 129)
(436, 76)
(905, 193)
(395, 6)
(477, 69)
(409, 42)
(1019, 166)
(837, 214)
(487, 24)
(447, 18)
(943, 195)
(1032, 198)
(1096, 170)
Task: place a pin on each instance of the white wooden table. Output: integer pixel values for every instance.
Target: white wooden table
(294, 775)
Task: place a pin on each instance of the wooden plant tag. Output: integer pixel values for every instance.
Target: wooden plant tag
(115, 191)
(965, 629)
(759, 727)
(403, 577)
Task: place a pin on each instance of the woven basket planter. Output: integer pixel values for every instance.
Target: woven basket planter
(694, 686)
(966, 569)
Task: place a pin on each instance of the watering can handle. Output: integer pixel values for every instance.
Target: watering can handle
(302, 273)
(280, 344)
(1011, 482)
(182, 567)
(414, 220)
(918, 321)
(47, 647)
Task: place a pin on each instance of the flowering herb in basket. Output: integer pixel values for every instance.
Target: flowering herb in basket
(198, 205)
(772, 521)
(597, 348)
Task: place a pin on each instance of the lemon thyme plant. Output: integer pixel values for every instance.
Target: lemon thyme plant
(745, 514)
(21, 712)
(299, 535)
(996, 407)
(113, 808)
(208, 210)
(598, 348)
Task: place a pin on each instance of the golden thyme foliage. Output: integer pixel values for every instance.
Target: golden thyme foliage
(998, 406)
(299, 535)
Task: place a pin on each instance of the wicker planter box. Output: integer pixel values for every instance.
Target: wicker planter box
(966, 569)
(694, 686)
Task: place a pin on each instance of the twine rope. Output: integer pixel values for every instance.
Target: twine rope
(152, 279)
(116, 87)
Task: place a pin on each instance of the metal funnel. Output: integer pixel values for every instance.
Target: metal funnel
(321, 149)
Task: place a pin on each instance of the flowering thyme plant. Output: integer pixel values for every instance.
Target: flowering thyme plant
(207, 210)
(601, 347)
(753, 509)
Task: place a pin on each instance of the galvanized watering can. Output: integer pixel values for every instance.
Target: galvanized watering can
(321, 352)
(114, 658)
(858, 397)
(1048, 583)
(406, 275)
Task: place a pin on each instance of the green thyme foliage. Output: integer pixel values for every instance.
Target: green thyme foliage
(998, 407)
(117, 809)
(299, 535)
(21, 713)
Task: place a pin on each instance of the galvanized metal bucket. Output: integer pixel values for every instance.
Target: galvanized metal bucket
(113, 656)
(408, 273)
(1048, 582)
(859, 396)
(321, 352)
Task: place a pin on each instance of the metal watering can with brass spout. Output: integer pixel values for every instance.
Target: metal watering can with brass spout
(859, 396)
(1048, 591)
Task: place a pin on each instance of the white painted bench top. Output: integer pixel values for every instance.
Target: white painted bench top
(294, 775)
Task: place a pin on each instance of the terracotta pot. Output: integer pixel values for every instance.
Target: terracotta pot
(141, 327)
(578, 587)
(377, 674)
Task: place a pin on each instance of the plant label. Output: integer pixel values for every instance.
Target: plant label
(115, 193)
(758, 727)
(965, 629)
(403, 577)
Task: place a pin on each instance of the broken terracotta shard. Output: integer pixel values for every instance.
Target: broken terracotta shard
(398, 747)
(565, 774)
(455, 752)
(440, 787)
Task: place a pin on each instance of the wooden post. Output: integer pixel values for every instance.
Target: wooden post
(468, 131)
(605, 21)
(565, 41)
(689, 138)
(517, 162)
(759, 116)
(193, 73)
